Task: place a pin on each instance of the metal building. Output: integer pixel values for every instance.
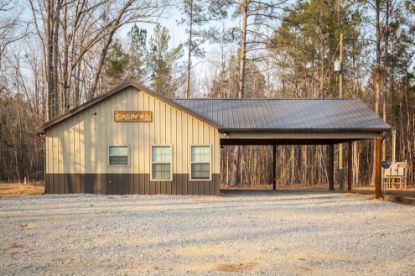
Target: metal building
(131, 140)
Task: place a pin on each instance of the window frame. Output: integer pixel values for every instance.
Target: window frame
(128, 156)
(191, 162)
(171, 163)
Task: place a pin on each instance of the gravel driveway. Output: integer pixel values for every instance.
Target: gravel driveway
(249, 233)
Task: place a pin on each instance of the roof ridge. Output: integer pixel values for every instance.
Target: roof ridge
(274, 99)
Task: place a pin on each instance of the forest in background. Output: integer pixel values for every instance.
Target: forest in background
(57, 54)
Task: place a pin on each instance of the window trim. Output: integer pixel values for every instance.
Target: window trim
(190, 163)
(171, 163)
(108, 155)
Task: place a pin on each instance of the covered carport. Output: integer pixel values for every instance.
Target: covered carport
(296, 122)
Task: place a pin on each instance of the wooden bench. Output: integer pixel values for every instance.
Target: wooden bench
(396, 174)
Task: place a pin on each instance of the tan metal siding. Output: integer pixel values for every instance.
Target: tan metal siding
(80, 144)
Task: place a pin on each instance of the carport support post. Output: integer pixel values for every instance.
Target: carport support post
(377, 168)
(331, 167)
(349, 167)
(274, 167)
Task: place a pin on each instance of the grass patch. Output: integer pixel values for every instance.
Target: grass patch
(410, 192)
(19, 189)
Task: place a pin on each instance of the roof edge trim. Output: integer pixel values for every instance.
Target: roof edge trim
(359, 130)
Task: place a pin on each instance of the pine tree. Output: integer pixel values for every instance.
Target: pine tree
(137, 52)
(161, 61)
(115, 68)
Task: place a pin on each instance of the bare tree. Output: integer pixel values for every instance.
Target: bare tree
(12, 28)
(71, 31)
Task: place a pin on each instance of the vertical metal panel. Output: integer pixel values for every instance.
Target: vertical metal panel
(206, 187)
(189, 187)
(147, 138)
(179, 184)
(179, 144)
(75, 184)
(99, 185)
(79, 144)
(152, 188)
(131, 184)
(194, 188)
(174, 185)
(69, 183)
(201, 187)
(136, 188)
(147, 183)
(71, 144)
(124, 183)
(82, 142)
(158, 184)
(49, 183)
(47, 152)
(82, 182)
(114, 183)
(140, 184)
(87, 184)
(60, 149)
(87, 138)
(54, 151)
(163, 187)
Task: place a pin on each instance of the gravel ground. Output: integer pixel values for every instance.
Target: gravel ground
(249, 233)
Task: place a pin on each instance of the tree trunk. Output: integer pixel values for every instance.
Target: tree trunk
(190, 48)
(65, 73)
(377, 77)
(115, 26)
(235, 180)
(385, 77)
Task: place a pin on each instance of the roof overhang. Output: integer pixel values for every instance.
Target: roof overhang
(285, 136)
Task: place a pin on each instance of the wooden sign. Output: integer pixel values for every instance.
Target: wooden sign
(133, 116)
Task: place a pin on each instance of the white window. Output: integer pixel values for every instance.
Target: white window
(118, 156)
(161, 165)
(200, 163)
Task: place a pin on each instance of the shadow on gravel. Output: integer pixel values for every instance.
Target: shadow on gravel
(254, 192)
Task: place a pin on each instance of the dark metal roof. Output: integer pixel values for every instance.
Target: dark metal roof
(259, 114)
(287, 114)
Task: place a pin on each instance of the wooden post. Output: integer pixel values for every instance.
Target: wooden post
(349, 167)
(331, 167)
(377, 168)
(393, 145)
(274, 167)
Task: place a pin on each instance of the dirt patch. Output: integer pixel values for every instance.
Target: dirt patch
(14, 248)
(194, 250)
(235, 267)
(304, 269)
(401, 199)
(15, 245)
(134, 267)
(28, 226)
